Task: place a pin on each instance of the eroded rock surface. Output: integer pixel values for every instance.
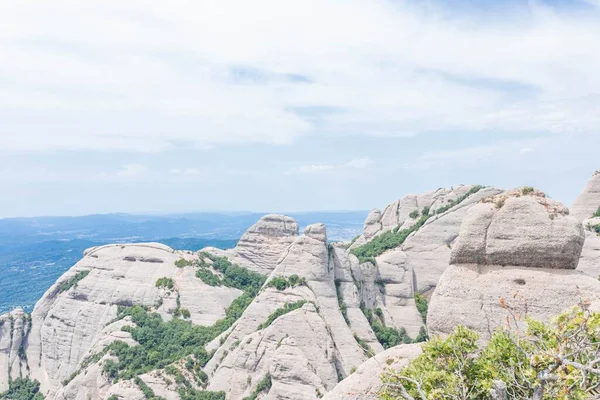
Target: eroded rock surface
(515, 256)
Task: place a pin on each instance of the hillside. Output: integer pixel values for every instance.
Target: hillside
(289, 314)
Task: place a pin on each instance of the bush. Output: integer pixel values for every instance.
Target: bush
(365, 347)
(160, 343)
(421, 303)
(597, 213)
(527, 190)
(165, 282)
(414, 214)
(281, 283)
(22, 389)
(73, 281)
(263, 386)
(287, 308)
(387, 336)
(208, 277)
(341, 303)
(557, 360)
(182, 263)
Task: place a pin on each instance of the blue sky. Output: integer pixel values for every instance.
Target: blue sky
(144, 106)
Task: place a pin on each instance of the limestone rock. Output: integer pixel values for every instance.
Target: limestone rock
(261, 245)
(526, 230)
(365, 382)
(14, 327)
(514, 257)
(589, 263)
(588, 202)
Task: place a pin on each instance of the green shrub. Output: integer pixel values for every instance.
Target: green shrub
(182, 262)
(421, 303)
(288, 307)
(113, 397)
(556, 360)
(414, 214)
(341, 303)
(208, 277)
(423, 336)
(387, 336)
(146, 390)
(22, 389)
(165, 282)
(189, 393)
(597, 213)
(278, 282)
(281, 283)
(263, 387)
(73, 281)
(459, 200)
(595, 228)
(365, 347)
(527, 190)
(160, 343)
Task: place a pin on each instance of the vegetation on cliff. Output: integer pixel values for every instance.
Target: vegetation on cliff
(556, 360)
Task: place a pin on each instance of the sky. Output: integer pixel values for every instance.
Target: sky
(181, 106)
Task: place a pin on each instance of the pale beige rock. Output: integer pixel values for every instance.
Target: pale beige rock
(589, 263)
(261, 245)
(13, 329)
(523, 264)
(471, 296)
(365, 383)
(588, 202)
(528, 230)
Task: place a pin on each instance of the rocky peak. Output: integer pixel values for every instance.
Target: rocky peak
(515, 255)
(588, 202)
(316, 231)
(521, 227)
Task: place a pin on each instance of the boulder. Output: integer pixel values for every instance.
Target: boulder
(365, 382)
(515, 256)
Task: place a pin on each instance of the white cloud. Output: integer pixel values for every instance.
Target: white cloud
(132, 171)
(150, 75)
(356, 164)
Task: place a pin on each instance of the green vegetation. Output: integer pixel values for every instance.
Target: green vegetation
(161, 343)
(288, 307)
(597, 213)
(341, 303)
(165, 282)
(146, 390)
(181, 263)
(387, 336)
(421, 303)
(22, 389)
(208, 277)
(549, 361)
(281, 283)
(595, 228)
(527, 190)
(113, 397)
(365, 346)
(263, 387)
(73, 281)
(414, 214)
(394, 238)
(234, 275)
(386, 241)
(423, 336)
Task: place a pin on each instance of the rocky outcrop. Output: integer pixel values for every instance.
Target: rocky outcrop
(71, 319)
(262, 244)
(588, 202)
(515, 256)
(14, 328)
(365, 383)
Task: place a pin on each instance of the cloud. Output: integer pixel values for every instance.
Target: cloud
(132, 171)
(356, 164)
(147, 76)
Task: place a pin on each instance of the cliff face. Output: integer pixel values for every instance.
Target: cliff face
(289, 315)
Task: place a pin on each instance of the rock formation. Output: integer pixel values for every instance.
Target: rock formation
(585, 207)
(325, 309)
(588, 202)
(515, 256)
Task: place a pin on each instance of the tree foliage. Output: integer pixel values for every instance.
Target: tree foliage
(22, 389)
(287, 308)
(557, 360)
(73, 281)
